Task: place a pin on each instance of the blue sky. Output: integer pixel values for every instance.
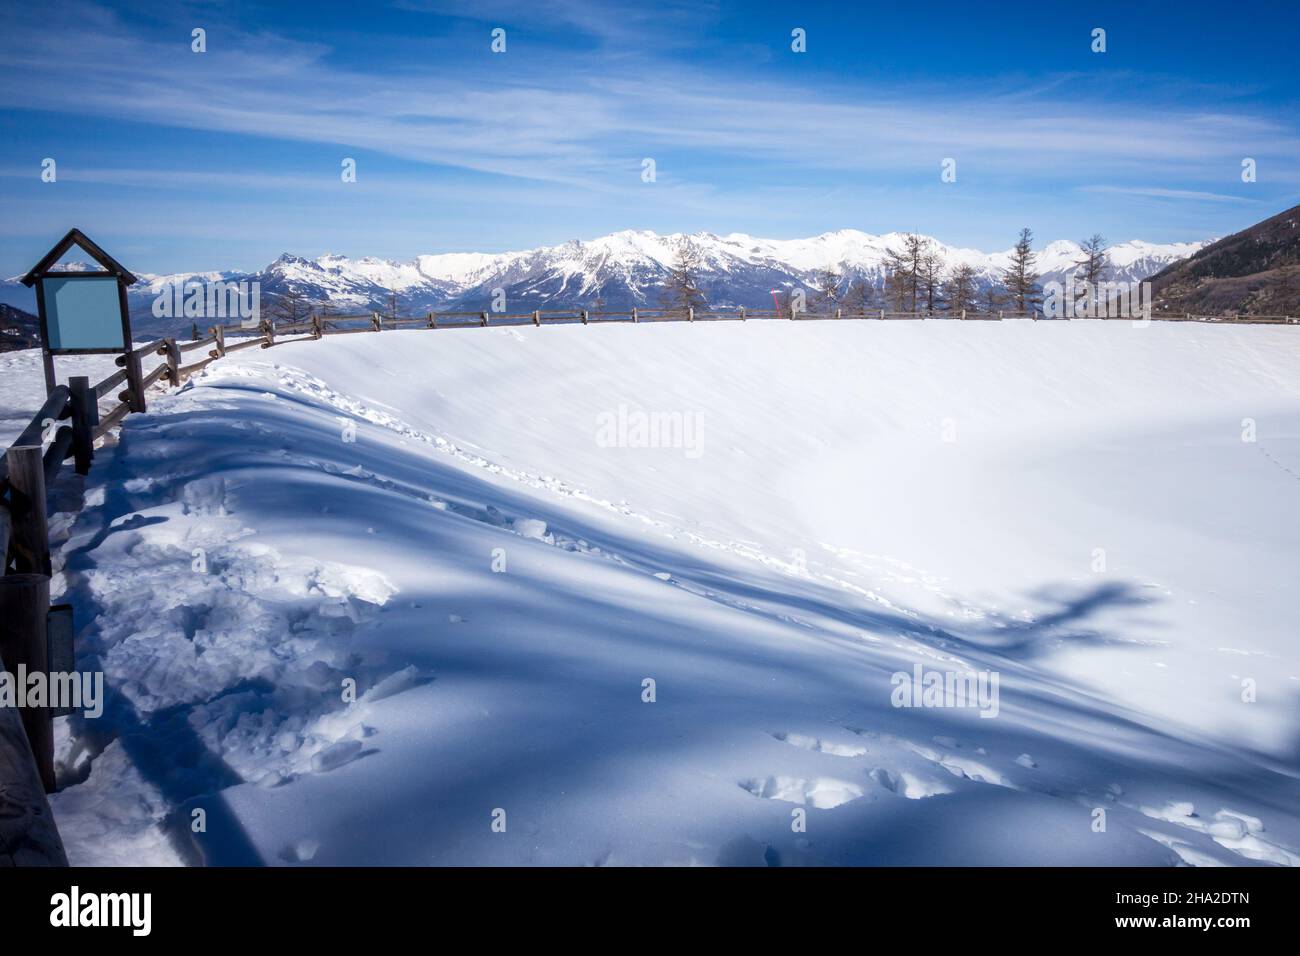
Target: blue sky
(176, 161)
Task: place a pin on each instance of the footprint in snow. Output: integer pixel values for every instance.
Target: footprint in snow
(823, 793)
(819, 745)
(906, 784)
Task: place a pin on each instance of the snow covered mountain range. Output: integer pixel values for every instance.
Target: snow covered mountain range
(618, 271)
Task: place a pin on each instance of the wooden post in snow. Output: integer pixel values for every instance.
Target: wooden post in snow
(85, 416)
(28, 836)
(134, 392)
(24, 605)
(172, 354)
(31, 535)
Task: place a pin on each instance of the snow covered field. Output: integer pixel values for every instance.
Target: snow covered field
(464, 524)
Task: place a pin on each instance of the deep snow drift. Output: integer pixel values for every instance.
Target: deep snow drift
(464, 524)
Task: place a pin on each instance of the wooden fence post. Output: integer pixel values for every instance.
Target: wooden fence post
(24, 605)
(316, 331)
(219, 333)
(690, 313)
(375, 321)
(882, 314)
(433, 320)
(483, 318)
(537, 317)
(584, 316)
(134, 392)
(31, 534)
(172, 353)
(634, 315)
(85, 416)
(6, 535)
(28, 836)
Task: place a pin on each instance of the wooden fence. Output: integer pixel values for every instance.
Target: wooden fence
(316, 326)
(37, 636)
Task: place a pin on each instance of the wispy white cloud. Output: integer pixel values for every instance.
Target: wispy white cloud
(1156, 192)
(669, 24)
(589, 127)
(462, 149)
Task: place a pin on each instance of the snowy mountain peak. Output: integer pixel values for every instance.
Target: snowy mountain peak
(628, 268)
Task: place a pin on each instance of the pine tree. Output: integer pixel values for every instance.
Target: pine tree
(960, 290)
(1092, 267)
(682, 288)
(1020, 279)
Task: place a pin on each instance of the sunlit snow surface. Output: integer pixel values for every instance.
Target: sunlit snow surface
(1071, 505)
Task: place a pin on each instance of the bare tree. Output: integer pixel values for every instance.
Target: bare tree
(289, 307)
(860, 297)
(1284, 292)
(682, 287)
(994, 298)
(899, 288)
(960, 289)
(1019, 277)
(911, 279)
(904, 271)
(827, 293)
(930, 273)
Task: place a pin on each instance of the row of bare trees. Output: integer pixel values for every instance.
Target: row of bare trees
(914, 280)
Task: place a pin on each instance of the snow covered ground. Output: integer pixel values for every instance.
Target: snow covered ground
(465, 523)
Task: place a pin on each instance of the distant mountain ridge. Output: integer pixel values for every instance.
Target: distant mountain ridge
(18, 329)
(616, 272)
(1254, 271)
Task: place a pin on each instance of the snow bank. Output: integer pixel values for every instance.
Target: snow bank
(368, 600)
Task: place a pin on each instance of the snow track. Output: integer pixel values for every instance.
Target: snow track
(354, 597)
